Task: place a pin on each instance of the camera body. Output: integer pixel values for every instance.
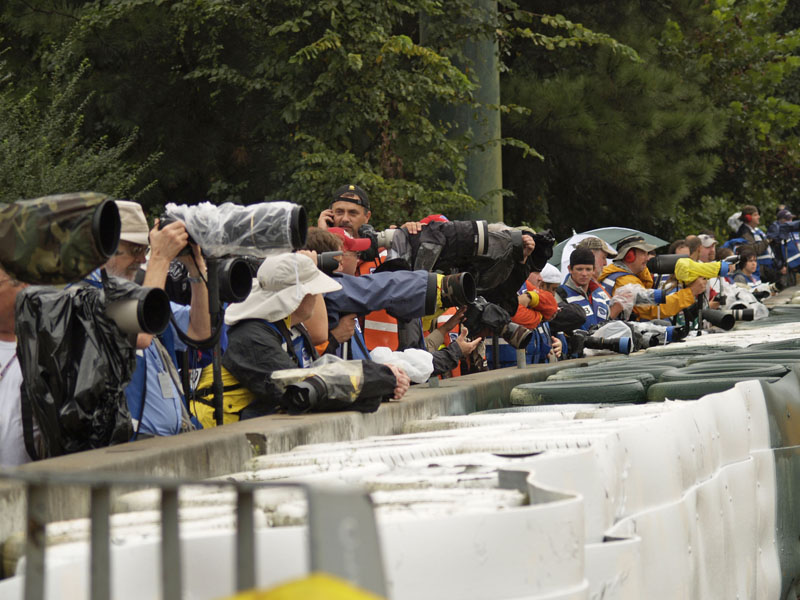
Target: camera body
(165, 220)
(327, 261)
(482, 315)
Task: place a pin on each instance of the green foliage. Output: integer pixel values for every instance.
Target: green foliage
(44, 150)
(745, 58)
(625, 141)
(287, 99)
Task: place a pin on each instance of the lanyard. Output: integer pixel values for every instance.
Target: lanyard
(8, 366)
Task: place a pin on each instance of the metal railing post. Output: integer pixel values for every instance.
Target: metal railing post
(245, 541)
(100, 543)
(171, 581)
(35, 541)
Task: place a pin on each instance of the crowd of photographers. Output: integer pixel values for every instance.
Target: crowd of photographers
(356, 316)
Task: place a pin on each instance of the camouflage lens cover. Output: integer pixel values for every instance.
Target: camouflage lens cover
(58, 239)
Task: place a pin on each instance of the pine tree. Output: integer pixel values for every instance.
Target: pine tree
(624, 142)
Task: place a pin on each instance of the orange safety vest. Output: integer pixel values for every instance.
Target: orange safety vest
(380, 329)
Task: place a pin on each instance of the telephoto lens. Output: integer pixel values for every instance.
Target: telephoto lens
(146, 310)
(304, 395)
(620, 345)
(60, 239)
(664, 264)
(233, 230)
(235, 279)
(719, 318)
(743, 314)
(516, 335)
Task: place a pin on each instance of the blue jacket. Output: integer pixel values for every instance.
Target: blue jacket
(595, 305)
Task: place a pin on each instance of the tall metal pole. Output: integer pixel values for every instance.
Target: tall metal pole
(484, 167)
(215, 309)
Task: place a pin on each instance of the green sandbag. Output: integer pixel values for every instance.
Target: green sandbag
(771, 358)
(713, 370)
(692, 389)
(654, 368)
(646, 378)
(791, 344)
(573, 392)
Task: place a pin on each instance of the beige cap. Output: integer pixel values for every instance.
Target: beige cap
(595, 243)
(134, 224)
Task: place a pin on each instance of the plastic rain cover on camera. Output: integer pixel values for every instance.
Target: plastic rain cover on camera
(343, 378)
(645, 332)
(612, 330)
(76, 364)
(418, 364)
(232, 230)
(739, 297)
(687, 270)
(631, 294)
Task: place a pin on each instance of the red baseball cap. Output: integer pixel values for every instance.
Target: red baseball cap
(351, 244)
(438, 218)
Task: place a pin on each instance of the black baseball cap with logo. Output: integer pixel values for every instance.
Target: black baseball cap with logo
(361, 196)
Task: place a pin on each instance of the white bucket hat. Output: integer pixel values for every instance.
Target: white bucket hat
(551, 274)
(134, 224)
(281, 284)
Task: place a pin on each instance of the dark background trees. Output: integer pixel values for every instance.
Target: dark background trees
(244, 100)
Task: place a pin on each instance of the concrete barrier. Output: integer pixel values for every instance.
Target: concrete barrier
(221, 450)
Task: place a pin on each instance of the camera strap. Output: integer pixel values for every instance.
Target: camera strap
(286, 335)
(144, 396)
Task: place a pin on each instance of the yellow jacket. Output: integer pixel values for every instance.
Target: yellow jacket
(235, 399)
(673, 304)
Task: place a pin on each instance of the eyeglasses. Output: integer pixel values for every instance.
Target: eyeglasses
(137, 251)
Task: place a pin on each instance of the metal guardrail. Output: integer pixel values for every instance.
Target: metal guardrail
(343, 536)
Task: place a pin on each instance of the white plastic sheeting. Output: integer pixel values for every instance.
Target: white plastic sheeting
(671, 500)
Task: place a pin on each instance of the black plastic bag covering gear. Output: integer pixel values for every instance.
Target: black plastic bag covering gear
(451, 247)
(568, 318)
(482, 314)
(75, 366)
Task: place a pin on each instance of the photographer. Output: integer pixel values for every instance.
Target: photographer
(409, 295)
(536, 308)
(760, 243)
(12, 445)
(602, 253)
(581, 289)
(785, 235)
(155, 393)
(349, 210)
(266, 334)
(746, 272)
(630, 267)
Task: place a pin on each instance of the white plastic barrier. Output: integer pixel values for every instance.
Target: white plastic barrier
(675, 500)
